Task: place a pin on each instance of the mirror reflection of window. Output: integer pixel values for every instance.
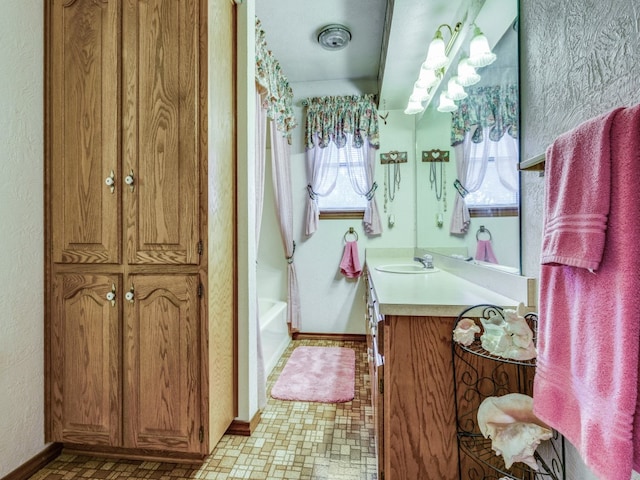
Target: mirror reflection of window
(496, 192)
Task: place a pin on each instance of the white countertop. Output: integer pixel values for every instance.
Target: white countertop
(438, 293)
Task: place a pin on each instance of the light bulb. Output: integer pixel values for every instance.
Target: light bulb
(436, 56)
(467, 74)
(455, 91)
(427, 76)
(480, 54)
(446, 104)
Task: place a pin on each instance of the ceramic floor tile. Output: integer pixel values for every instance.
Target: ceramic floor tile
(294, 441)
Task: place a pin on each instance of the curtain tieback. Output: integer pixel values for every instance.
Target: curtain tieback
(460, 188)
(290, 259)
(372, 191)
(312, 195)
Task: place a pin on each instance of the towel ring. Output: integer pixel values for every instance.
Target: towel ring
(351, 231)
(483, 229)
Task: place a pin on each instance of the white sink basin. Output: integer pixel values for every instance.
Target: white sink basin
(413, 268)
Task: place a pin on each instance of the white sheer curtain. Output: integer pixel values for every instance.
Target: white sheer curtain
(322, 172)
(261, 153)
(281, 176)
(471, 166)
(507, 159)
(361, 163)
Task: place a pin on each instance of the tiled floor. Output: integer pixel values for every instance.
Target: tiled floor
(295, 440)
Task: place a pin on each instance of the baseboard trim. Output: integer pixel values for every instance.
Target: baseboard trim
(242, 428)
(103, 451)
(31, 466)
(342, 337)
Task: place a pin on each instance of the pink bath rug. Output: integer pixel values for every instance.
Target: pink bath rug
(317, 374)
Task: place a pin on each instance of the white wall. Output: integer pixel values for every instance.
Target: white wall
(21, 233)
(564, 83)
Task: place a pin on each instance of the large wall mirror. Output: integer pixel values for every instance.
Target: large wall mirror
(486, 132)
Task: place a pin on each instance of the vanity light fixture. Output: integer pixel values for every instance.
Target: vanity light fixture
(480, 54)
(432, 69)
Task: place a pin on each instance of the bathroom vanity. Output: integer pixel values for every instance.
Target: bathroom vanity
(409, 324)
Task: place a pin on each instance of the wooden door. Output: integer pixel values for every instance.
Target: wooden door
(85, 360)
(161, 129)
(83, 122)
(162, 363)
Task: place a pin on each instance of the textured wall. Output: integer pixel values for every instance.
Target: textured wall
(21, 235)
(578, 60)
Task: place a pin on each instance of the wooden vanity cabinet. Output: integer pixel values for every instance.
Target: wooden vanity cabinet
(128, 337)
(413, 398)
(419, 416)
(375, 340)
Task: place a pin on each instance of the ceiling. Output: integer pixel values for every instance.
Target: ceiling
(291, 28)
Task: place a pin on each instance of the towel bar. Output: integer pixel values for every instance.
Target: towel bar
(351, 231)
(483, 229)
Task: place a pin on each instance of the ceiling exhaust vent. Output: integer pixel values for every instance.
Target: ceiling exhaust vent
(334, 37)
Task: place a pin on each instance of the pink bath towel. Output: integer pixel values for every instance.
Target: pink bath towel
(577, 198)
(350, 264)
(586, 383)
(484, 252)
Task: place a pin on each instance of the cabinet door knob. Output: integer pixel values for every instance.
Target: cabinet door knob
(130, 296)
(111, 296)
(130, 180)
(110, 181)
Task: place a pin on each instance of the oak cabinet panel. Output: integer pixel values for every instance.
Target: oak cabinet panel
(420, 435)
(84, 136)
(85, 364)
(162, 363)
(161, 130)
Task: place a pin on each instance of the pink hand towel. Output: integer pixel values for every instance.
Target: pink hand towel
(484, 252)
(350, 264)
(578, 171)
(586, 383)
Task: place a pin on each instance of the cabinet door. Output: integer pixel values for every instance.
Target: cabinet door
(161, 138)
(83, 82)
(162, 359)
(85, 366)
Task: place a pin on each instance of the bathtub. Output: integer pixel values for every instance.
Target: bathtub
(274, 332)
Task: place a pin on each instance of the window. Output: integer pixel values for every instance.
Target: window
(343, 200)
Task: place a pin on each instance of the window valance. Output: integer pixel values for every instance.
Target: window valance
(495, 107)
(276, 92)
(330, 118)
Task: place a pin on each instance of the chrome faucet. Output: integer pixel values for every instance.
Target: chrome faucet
(426, 260)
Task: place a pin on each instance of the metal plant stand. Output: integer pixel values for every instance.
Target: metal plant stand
(479, 374)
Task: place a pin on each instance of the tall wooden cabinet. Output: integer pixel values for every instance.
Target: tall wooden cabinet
(128, 227)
